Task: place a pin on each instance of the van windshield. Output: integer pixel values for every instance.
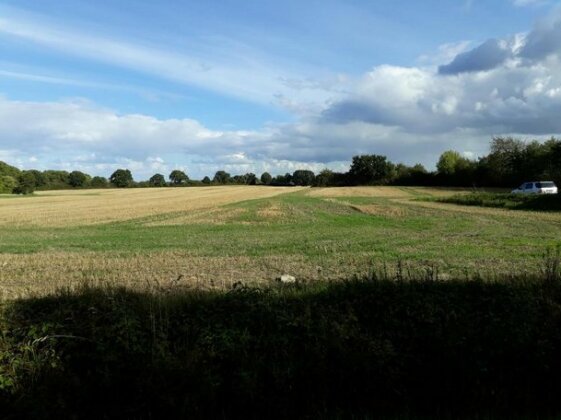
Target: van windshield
(545, 184)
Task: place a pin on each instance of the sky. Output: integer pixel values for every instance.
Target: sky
(260, 85)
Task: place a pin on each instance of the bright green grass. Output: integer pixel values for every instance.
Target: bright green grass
(318, 228)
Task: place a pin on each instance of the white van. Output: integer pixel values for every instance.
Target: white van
(536, 187)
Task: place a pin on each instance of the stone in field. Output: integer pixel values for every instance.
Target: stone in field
(287, 278)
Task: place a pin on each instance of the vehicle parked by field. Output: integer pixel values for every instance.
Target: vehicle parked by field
(536, 187)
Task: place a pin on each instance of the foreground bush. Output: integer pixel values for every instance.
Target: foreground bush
(349, 349)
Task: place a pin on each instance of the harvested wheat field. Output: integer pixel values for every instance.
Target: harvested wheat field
(72, 208)
(214, 237)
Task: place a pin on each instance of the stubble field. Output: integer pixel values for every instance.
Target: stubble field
(213, 237)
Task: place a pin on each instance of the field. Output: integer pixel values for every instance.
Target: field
(213, 237)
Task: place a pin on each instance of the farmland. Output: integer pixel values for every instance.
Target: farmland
(409, 304)
(213, 237)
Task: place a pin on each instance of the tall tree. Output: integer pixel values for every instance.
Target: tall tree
(26, 183)
(77, 179)
(221, 177)
(7, 184)
(303, 177)
(178, 177)
(157, 180)
(99, 182)
(121, 178)
(370, 169)
(266, 178)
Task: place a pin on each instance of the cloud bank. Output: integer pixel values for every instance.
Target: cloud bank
(509, 86)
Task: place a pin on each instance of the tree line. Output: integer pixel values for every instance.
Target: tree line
(510, 162)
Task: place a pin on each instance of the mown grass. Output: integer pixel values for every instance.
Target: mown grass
(371, 348)
(545, 202)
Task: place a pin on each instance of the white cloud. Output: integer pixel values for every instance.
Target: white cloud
(509, 86)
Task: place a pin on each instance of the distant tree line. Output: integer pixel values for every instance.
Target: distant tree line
(509, 163)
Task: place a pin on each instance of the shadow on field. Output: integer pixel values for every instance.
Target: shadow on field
(363, 349)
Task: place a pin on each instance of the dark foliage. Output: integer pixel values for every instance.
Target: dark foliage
(303, 177)
(361, 349)
(78, 179)
(546, 202)
(266, 178)
(157, 180)
(99, 182)
(121, 178)
(221, 177)
(370, 169)
(178, 177)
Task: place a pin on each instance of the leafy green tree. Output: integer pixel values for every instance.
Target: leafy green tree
(449, 162)
(221, 177)
(99, 182)
(206, 180)
(37, 176)
(7, 184)
(370, 169)
(303, 177)
(266, 178)
(78, 179)
(157, 180)
(250, 178)
(178, 177)
(26, 183)
(285, 179)
(324, 178)
(56, 179)
(121, 178)
(9, 170)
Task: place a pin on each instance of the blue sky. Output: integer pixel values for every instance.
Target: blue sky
(261, 85)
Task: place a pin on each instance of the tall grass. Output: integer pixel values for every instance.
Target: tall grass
(362, 348)
(546, 202)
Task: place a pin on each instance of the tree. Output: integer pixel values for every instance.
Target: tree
(56, 179)
(449, 162)
(370, 169)
(37, 176)
(9, 170)
(78, 179)
(250, 178)
(121, 178)
(221, 177)
(7, 184)
(157, 180)
(324, 178)
(178, 177)
(99, 182)
(206, 180)
(266, 178)
(303, 177)
(26, 183)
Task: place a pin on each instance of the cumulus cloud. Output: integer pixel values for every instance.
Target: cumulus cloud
(487, 56)
(511, 85)
(411, 114)
(544, 40)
